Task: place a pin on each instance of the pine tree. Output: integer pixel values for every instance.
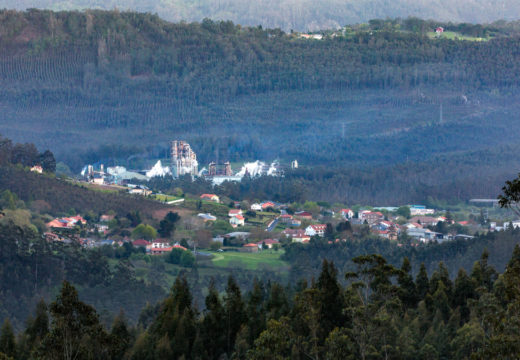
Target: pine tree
(120, 337)
(212, 328)
(7, 340)
(234, 312)
(407, 289)
(255, 311)
(421, 282)
(331, 299)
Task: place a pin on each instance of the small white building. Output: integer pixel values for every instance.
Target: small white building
(347, 213)
(256, 207)
(416, 210)
(317, 229)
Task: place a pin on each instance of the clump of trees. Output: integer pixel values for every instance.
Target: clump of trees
(25, 155)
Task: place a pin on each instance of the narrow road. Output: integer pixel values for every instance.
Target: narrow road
(271, 227)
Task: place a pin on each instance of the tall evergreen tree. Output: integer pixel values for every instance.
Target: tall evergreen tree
(422, 282)
(75, 332)
(331, 298)
(234, 312)
(213, 331)
(7, 340)
(407, 289)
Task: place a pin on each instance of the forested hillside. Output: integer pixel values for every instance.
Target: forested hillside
(301, 15)
(99, 86)
(382, 312)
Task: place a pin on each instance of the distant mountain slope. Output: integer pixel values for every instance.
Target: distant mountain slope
(300, 15)
(105, 85)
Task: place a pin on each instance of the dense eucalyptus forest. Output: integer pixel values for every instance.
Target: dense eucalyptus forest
(382, 312)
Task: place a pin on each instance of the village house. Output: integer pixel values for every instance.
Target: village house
(102, 228)
(106, 218)
(141, 243)
(234, 212)
(267, 243)
(303, 215)
(210, 197)
(424, 235)
(371, 217)
(268, 204)
(424, 220)
(256, 207)
(140, 190)
(159, 248)
(347, 214)
(237, 220)
(301, 239)
(37, 169)
(295, 223)
(286, 219)
(416, 210)
(316, 229)
(249, 248)
(67, 222)
(291, 233)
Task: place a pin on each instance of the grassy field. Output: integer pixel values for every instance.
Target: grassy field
(164, 197)
(455, 36)
(251, 261)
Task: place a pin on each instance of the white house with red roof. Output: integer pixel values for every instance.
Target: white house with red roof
(237, 220)
(316, 229)
(268, 204)
(37, 168)
(347, 213)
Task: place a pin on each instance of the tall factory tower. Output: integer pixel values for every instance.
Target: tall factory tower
(184, 160)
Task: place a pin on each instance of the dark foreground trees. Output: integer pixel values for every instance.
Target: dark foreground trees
(381, 312)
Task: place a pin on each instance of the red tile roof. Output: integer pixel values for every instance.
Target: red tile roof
(141, 242)
(319, 227)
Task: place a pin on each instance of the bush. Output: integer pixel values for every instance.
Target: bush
(187, 259)
(174, 257)
(215, 245)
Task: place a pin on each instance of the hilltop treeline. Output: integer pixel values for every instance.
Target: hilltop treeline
(383, 312)
(59, 195)
(298, 15)
(110, 86)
